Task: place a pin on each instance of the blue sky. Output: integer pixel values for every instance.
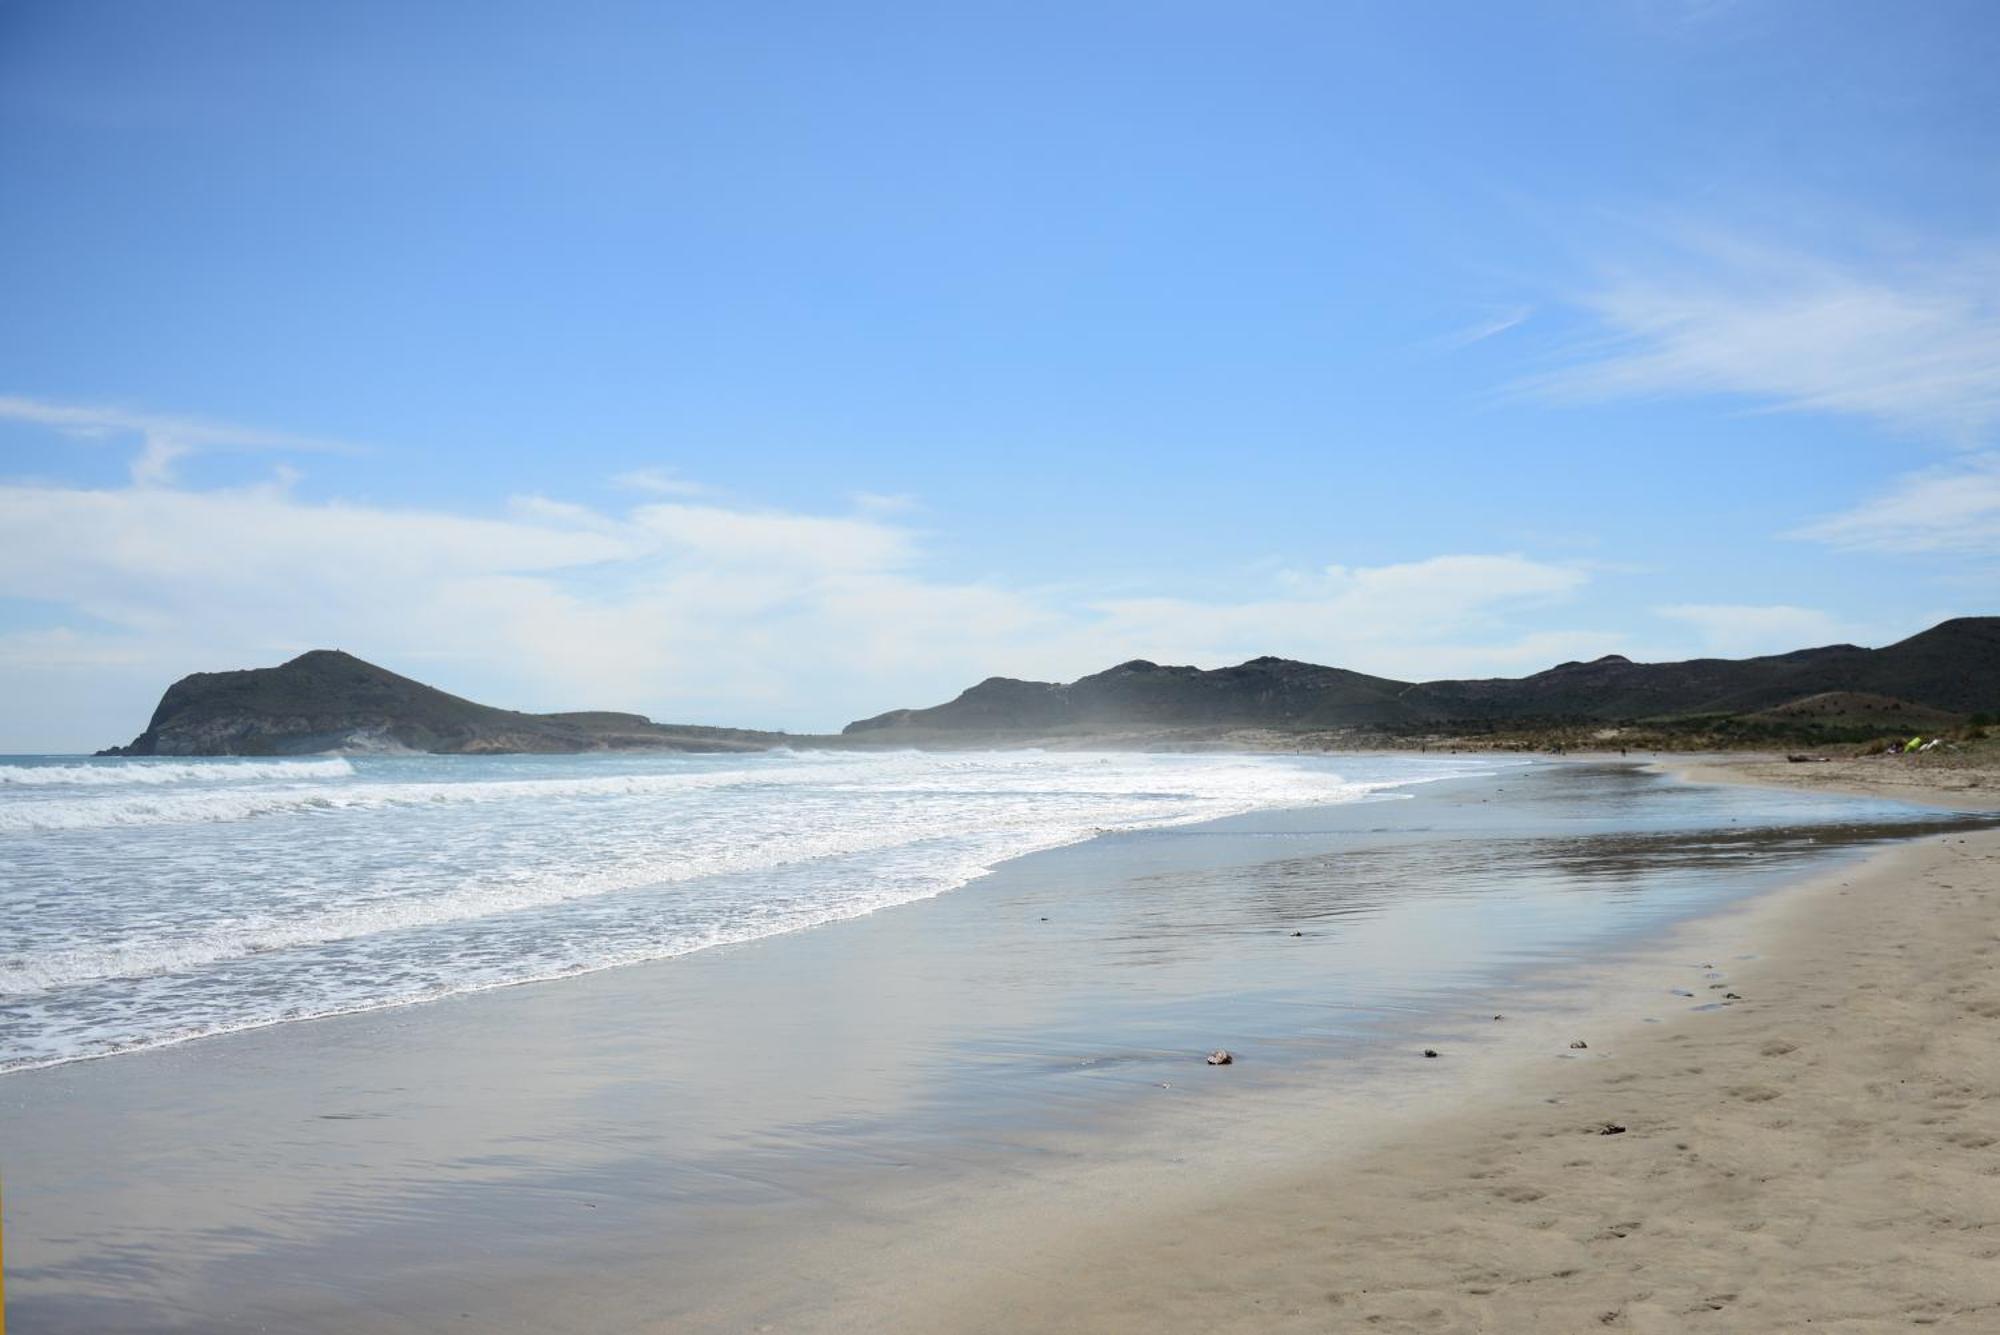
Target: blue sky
(777, 365)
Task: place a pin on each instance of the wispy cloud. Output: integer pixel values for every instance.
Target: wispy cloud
(1911, 343)
(1951, 509)
(1490, 326)
(163, 439)
(660, 482)
(884, 503)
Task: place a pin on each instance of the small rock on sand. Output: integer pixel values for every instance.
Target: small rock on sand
(1578, 1044)
(1430, 1052)
(1610, 1129)
(1220, 1057)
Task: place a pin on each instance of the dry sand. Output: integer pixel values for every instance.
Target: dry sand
(1968, 782)
(1823, 1154)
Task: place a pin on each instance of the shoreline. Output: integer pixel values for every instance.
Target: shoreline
(1818, 1156)
(913, 1161)
(1898, 779)
(1370, 791)
(1404, 1195)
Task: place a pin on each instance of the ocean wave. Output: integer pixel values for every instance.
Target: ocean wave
(1026, 828)
(62, 1043)
(483, 872)
(100, 811)
(1251, 782)
(465, 903)
(163, 772)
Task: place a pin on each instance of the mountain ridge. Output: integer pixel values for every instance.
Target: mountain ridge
(1953, 667)
(329, 700)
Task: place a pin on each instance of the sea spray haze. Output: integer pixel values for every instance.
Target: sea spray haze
(146, 902)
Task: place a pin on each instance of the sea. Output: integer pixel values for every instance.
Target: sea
(146, 902)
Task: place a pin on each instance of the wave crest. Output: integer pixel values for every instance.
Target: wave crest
(163, 772)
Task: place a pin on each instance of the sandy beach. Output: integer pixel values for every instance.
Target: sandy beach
(999, 669)
(1965, 782)
(989, 1111)
(1818, 1155)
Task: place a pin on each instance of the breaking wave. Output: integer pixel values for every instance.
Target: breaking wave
(162, 772)
(210, 897)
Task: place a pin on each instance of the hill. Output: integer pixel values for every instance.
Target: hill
(327, 700)
(1951, 670)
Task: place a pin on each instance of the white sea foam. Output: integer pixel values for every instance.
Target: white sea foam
(160, 772)
(137, 915)
(460, 903)
(86, 811)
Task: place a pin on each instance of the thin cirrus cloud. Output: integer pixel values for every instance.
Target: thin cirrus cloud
(1953, 508)
(1911, 344)
(1492, 325)
(164, 439)
(659, 482)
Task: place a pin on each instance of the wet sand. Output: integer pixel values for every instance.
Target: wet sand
(961, 1115)
(1823, 1154)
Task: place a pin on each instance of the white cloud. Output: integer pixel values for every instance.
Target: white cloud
(1953, 509)
(767, 538)
(1736, 630)
(164, 439)
(1910, 343)
(695, 612)
(1411, 620)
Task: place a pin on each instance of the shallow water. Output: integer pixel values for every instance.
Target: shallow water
(151, 901)
(516, 1160)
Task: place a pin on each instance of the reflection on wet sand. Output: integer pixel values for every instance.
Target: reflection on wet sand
(680, 1127)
